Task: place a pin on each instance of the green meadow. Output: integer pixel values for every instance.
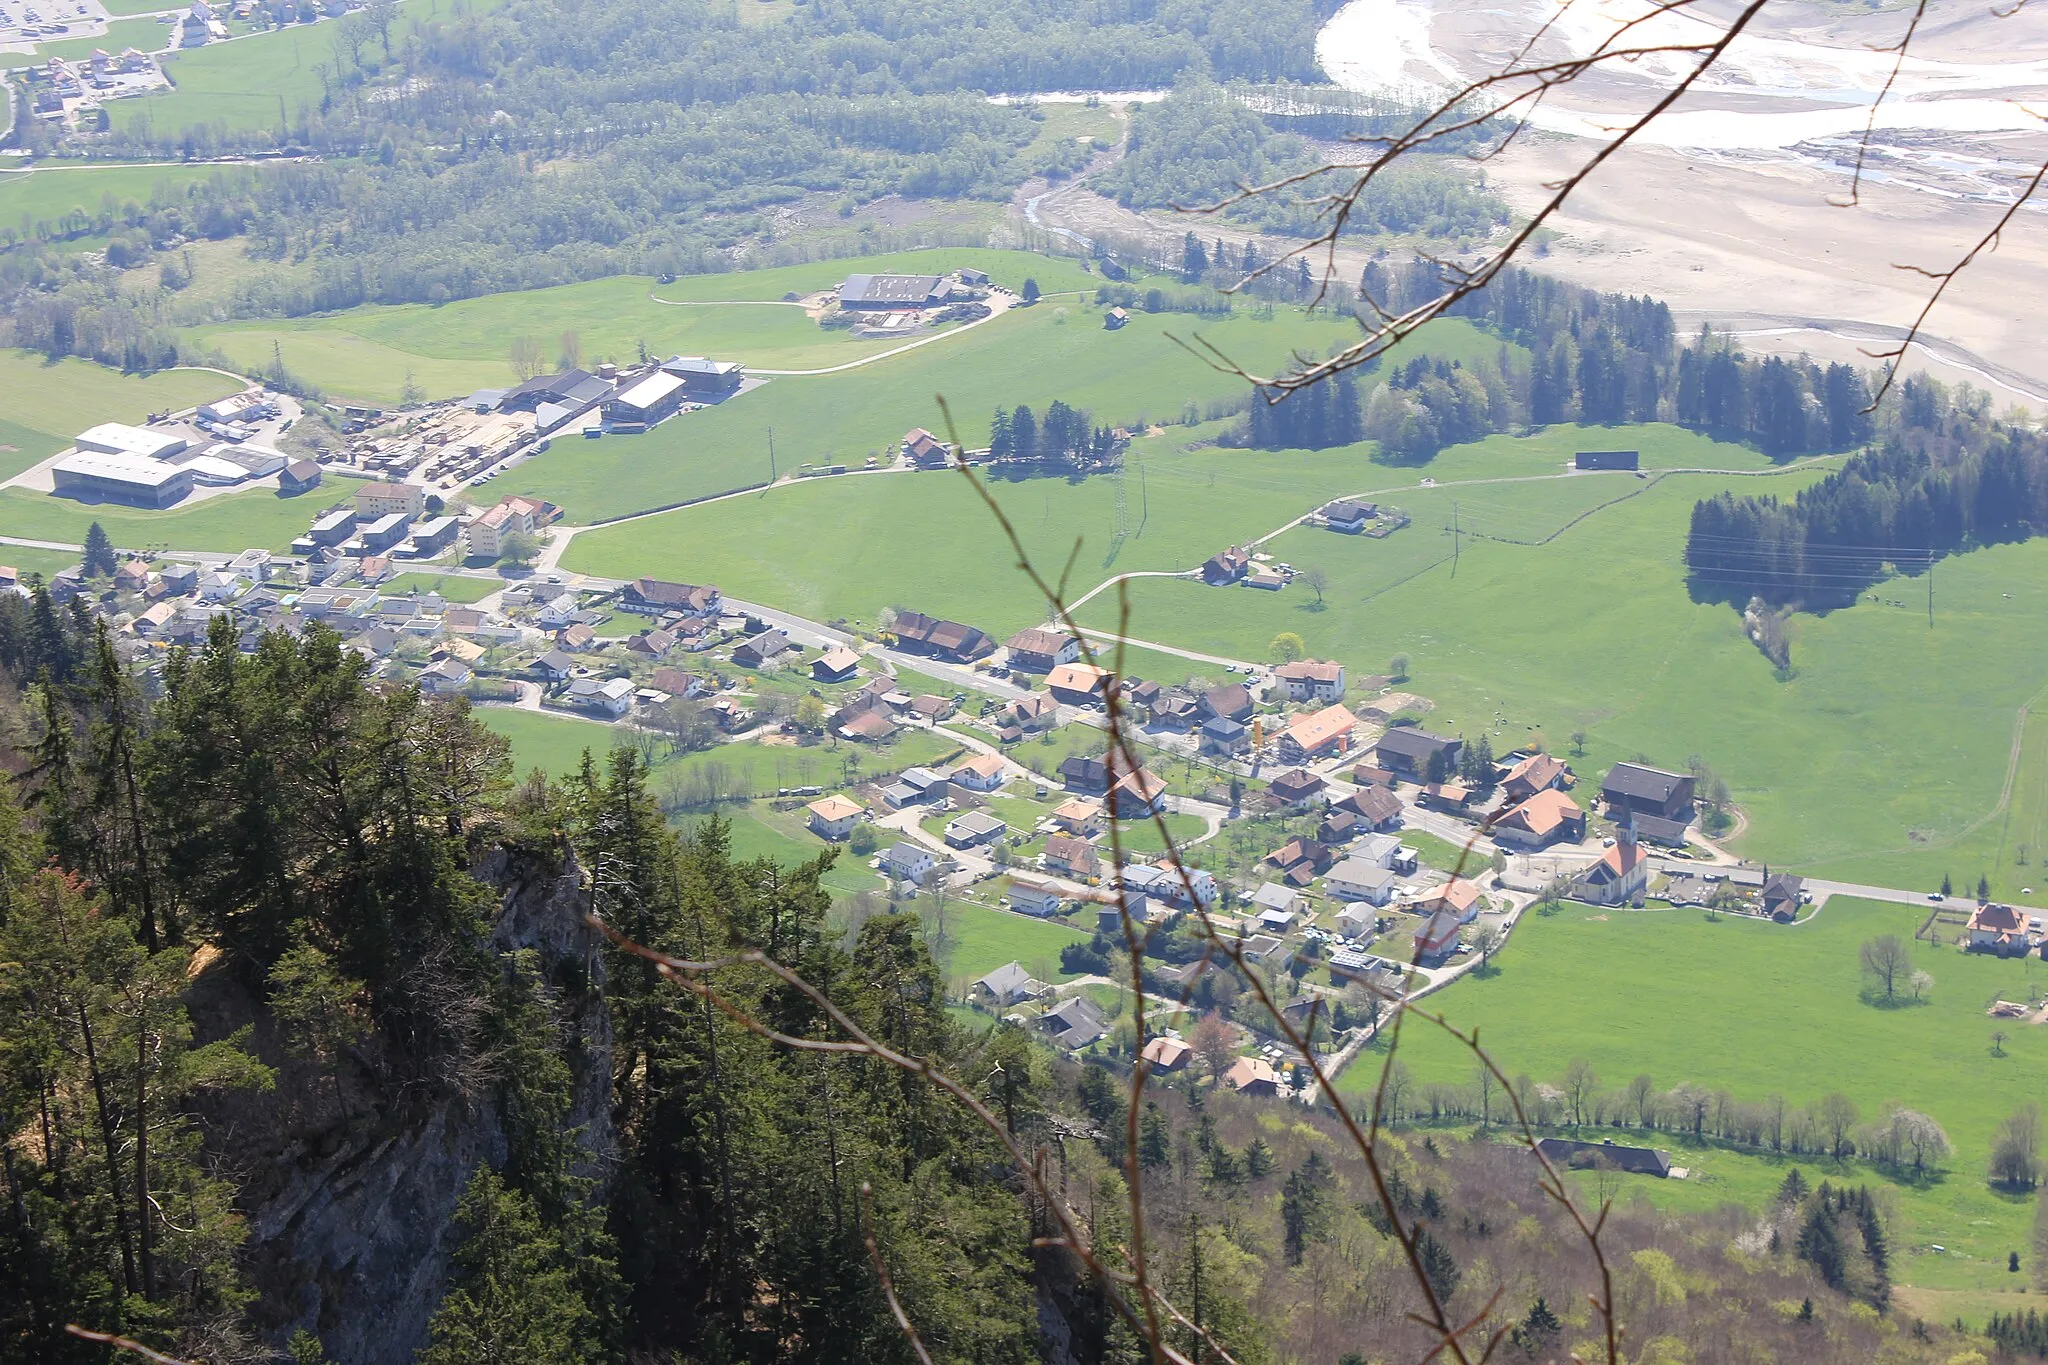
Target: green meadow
(452, 587)
(1035, 355)
(1760, 1009)
(40, 199)
(226, 522)
(49, 402)
(453, 348)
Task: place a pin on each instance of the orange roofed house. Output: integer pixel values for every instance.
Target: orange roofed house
(1322, 734)
(1545, 818)
(2000, 929)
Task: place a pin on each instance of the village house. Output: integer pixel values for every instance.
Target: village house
(1301, 861)
(1996, 928)
(1079, 684)
(1339, 827)
(1607, 1154)
(577, 637)
(1376, 807)
(931, 709)
(1226, 567)
(608, 697)
(982, 773)
(1233, 701)
(1317, 736)
(1537, 773)
(677, 683)
(1268, 950)
(1225, 737)
(446, 677)
(758, 650)
(552, 666)
(1452, 798)
(1069, 855)
(1312, 680)
(1252, 1076)
(1360, 879)
(386, 499)
(1039, 650)
(1167, 1054)
(1079, 815)
(1412, 753)
(1545, 818)
(1030, 896)
(1029, 715)
(1115, 319)
(908, 862)
(833, 817)
(916, 786)
(1296, 787)
(1660, 802)
(649, 644)
(1348, 515)
(1007, 985)
(836, 664)
(1782, 896)
(1075, 1023)
(925, 450)
(973, 829)
(655, 597)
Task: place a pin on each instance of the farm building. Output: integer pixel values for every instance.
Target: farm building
(921, 634)
(645, 403)
(1039, 650)
(1606, 459)
(1312, 680)
(1408, 752)
(1660, 802)
(892, 293)
(704, 381)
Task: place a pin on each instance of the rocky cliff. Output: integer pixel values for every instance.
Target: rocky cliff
(351, 1225)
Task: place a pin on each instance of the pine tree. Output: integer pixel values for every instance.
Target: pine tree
(1194, 262)
(512, 1300)
(1155, 1138)
(1258, 1159)
(1438, 1264)
(1793, 1189)
(99, 552)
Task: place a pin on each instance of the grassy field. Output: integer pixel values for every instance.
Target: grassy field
(452, 587)
(1031, 356)
(456, 347)
(1759, 1009)
(985, 939)
(39, 199)
(231, 521)
(62, 398)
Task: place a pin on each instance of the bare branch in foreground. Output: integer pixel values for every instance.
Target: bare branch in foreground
(867, 1233)
(120, 1343)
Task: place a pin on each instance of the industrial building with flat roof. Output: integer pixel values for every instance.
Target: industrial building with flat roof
(118, 438)
(94, 476)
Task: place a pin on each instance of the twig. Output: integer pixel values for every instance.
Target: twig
(120, 1343)
(867, 1233)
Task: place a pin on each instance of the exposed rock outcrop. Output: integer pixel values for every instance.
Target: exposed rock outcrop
(351, 1231)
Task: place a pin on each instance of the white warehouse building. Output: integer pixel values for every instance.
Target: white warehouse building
(118, 438)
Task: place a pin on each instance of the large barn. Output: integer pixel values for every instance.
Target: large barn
(893, 293)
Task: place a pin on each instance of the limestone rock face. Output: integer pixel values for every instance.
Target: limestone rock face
(351, 1234)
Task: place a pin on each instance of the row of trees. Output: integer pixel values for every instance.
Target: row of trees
(1065, 435)
(1832, 1126)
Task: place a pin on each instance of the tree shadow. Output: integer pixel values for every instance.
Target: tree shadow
(1877, 1000)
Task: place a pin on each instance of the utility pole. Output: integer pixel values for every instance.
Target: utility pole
(771, 454)
(1454, 539)
(1930, 591)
